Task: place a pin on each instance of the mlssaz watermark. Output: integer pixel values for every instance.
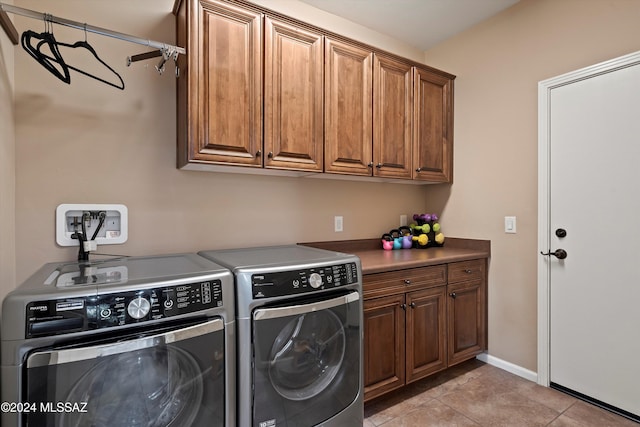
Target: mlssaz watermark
(44, 407)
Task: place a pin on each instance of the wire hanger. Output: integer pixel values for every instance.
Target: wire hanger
(54, 64)
(162, 49)
(85, 44)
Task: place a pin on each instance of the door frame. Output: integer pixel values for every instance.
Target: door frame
(544, 226)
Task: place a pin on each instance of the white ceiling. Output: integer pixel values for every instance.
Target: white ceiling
(418, 23)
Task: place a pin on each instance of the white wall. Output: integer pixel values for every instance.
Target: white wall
(499, 64)
(7, 167)
(90, 143)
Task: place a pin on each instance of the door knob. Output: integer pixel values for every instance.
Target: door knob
(558, 253)
(561, 232)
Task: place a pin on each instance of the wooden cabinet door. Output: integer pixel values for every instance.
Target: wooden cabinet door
(384, 354)
(293, 110)
(392, 111)
(348, 109)
(426, 351)
(225, 84)
(432, 126)
(466, 320)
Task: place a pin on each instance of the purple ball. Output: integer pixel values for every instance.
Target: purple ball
(434, 217)
(426, 217)
(416, 217)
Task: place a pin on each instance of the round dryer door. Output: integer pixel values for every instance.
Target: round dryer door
(306, 360)
(307, 354)
(157, 386)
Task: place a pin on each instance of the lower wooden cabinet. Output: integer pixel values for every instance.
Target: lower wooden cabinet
(466, 310)
(417, 323)
(384, 350)
(425, 335)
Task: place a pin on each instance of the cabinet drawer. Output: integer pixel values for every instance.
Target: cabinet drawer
(380, 284)
(466, 270)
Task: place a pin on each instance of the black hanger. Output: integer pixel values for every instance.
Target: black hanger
(86, 45)
(61, 70)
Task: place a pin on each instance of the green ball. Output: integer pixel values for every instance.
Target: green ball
(436, 227)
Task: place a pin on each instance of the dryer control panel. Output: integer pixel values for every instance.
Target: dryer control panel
(294, 282)
(62, 316)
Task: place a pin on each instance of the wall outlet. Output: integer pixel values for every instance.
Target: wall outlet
(403, 220)
(337, 224)
(70, 219)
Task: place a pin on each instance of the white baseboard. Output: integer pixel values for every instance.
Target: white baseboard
(508, 366)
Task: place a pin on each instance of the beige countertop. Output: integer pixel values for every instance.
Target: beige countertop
(375, 260)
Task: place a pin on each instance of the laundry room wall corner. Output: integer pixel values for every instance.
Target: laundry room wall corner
(7, 168)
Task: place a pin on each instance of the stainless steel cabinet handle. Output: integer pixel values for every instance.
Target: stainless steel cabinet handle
(258, 153)
(407, 281)
(468, 271)
(419, 170)
(453, 295)
(412, 305)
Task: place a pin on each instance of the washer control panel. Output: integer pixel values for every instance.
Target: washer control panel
(295, 282)
(62, 316)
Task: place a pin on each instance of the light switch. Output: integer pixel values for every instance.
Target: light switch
(510, 224)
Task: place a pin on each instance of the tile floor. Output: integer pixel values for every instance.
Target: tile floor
(477, 394)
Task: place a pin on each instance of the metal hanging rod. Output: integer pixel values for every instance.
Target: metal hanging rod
(97, 30)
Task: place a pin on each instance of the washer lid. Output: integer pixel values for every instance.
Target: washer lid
(274, 256)
(119, 271)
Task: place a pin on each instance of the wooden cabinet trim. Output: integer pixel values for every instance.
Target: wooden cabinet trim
(426, 351)
(293, 124)
(392, 118)
(348, 108)
(382, 374)
(335, 36)
(466, 270)
(466, 327)
(432, 126)
(231, 131)
(401, 281)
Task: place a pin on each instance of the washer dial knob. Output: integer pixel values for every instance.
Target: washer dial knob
(139, 308)
(315, 280)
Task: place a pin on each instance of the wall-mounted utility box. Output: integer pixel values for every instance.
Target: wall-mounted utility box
(70, 219)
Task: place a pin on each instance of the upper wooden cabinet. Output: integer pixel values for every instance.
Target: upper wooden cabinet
(293, 108)
(266, 91)
(433, 126)
(348, 108)
(220, 90)
(392, 118)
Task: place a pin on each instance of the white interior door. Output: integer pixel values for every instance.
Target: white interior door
(594, 195)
